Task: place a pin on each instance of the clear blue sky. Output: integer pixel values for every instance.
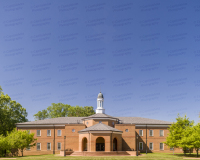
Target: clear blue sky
(145, 55)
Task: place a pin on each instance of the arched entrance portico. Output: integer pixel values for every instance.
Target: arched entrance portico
(115, 144)
(84, 144)
(100, 144)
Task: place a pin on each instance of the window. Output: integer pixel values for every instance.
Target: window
(126, 130)
(99, 121)
(38, 146)
(87, 123)
(28, 131)
(140, 145)
(73, 130)
(38, 132)
(151, 146)
(161, 146)
(28, 148)
(150, 132)
(59, 146)
(48, 146)
(140, 132)
(113, 123)
(161, 133)
(59, 133)
(48, 132)
(171, 148)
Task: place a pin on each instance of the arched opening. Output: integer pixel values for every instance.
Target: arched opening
(100, 144)
(84, 144)
(115, 144)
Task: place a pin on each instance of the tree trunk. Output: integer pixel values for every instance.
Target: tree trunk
(184, 152)
(5, 153)
(22, 152)
(197, 151)
(173, 150)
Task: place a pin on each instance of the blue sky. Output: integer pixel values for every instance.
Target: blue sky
(144, 55)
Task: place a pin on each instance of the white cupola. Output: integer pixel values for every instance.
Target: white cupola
(100, 100)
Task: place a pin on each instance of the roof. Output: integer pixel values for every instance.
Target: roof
(77, 120)
(59, 120)
(100, 127)
(140, 120)
(100, 95)
(99, 115)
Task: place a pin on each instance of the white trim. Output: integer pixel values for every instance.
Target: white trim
(60, 146)
(150, 132)
(60, 132)
(151, 125)
(104, 118)
(37, 147)
(139, 145)
(163, 147)
(47, 133)
(84, 132)
(37, 133)
(149, 145)
(39, 125)
(47, 146)
(139, 132)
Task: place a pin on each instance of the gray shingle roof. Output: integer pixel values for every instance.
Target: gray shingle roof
(140, 120)
(99, 115)
(100, 127)
(76, 120)
(60, 120)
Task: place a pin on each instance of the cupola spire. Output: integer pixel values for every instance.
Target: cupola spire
(100, 100)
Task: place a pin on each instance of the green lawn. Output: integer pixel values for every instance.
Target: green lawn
(149, 156)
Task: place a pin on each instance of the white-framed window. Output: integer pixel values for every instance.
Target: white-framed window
(28, 148)
(38, 146)
(150, 132)
(126, 130)
(140, 132)
(161, 133)
(28, 131)
(73, 130)
(59, 133)
(161, 146)
(48, 132)
(59, 146)
(140, 145)
(38, 132)
(150, 146)
(48, 146)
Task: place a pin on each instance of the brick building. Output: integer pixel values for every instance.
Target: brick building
(98, 132)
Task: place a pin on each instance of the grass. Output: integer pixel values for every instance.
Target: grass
(149, 156)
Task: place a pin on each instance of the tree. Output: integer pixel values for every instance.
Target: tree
(41, 115)
(11, 112)
(177, 131)
(64, 110)
(191, 138)
(20, 140)
(58, 110)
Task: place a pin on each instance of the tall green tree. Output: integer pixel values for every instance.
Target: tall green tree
(58, 110)
(177, 132)
(191, 138)
(11, 112)
(64, 110)
(41, 115)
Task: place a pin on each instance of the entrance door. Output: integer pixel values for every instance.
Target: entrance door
(100, 146)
